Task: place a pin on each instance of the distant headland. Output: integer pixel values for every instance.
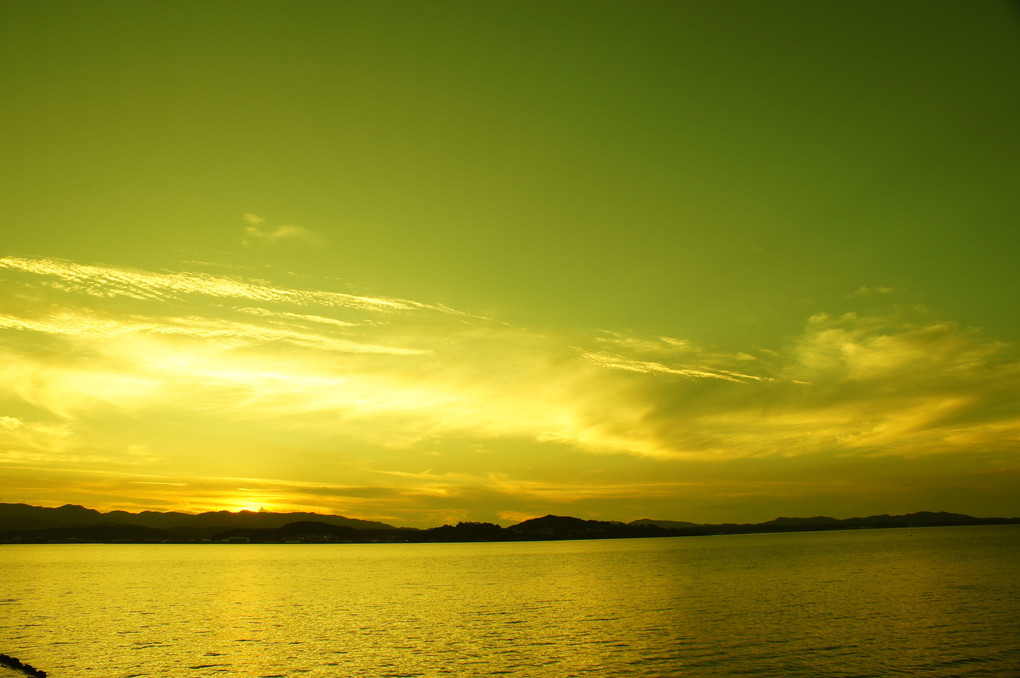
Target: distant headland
(21, 523)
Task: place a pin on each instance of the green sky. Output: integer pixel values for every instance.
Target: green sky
(427, 262)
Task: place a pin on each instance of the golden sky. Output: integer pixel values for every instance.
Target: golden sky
(423, 263)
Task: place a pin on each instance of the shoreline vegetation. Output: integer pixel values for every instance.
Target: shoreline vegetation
(24, 524)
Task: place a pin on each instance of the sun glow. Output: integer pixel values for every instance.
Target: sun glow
(253, 504)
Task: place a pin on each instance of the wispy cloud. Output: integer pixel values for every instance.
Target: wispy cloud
(266, 313)
(21, 438)
(108, 281)
(866, 291)
(194, 368)
(227, 332)
(255, 232)
(649, 367)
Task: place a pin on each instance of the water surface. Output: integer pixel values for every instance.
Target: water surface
(930, 601)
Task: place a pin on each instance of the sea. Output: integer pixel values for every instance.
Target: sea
(934, 602)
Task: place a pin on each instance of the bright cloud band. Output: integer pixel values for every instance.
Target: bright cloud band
(116, 368)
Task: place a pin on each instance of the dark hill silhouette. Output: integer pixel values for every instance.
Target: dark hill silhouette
(25, 517)
(465, 532)
(566, 527)
(562, 527)
(179, 525)
(70, 523)
(128, 534)
(667, 524)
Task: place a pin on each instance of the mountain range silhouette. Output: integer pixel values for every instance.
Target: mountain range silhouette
(21, 523)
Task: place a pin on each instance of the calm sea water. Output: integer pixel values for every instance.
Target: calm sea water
(920, 602)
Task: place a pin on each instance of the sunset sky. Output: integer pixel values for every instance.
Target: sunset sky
(424, 262)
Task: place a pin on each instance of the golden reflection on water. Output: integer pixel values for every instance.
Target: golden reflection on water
(935, 602)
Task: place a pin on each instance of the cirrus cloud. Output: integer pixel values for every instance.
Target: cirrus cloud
(204, 371)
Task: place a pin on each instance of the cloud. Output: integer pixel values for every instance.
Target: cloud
(225, 332)
(202, 371)
(848, 384)
(648, 367)
(656, 346)
(19, 438)
(865, 291)
(297, 316)
(256, 233)
(108, 281)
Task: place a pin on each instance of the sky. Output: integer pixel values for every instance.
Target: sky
(430, 262)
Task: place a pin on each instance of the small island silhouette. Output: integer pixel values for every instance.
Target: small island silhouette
(21, 523)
